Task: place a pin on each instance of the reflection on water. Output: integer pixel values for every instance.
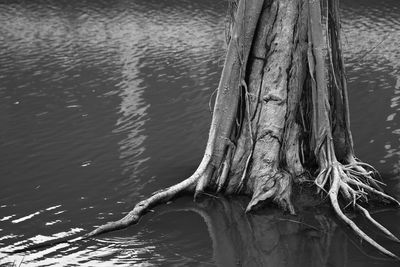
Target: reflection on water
(103, 102)
(271, 238)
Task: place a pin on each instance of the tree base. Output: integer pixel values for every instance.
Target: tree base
(350, 181)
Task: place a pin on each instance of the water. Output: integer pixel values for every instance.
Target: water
(104, 102)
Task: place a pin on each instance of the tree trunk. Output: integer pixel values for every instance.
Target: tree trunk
(281, 116)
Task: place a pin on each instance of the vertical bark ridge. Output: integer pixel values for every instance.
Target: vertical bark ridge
(316, 61)
(290, 150)
(228, 93)
(257, 61)
(338, 85)
(266, 178)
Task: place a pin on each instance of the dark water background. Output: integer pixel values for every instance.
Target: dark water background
(104, 102)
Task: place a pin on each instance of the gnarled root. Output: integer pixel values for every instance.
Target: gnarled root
(352, 183)
(160, 196)
(364, 171)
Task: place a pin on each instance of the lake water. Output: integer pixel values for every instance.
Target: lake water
(103, 102)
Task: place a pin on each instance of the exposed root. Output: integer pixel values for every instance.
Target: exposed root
(350, 181)
(203, 181)
(377, 224)
(372, 190)
(365, 171)
(143, 206)
(333, 196)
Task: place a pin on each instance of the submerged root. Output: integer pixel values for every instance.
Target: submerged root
(377, 224)
(350, 181)
(164, 195)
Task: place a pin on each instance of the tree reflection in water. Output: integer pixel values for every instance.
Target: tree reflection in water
(269, 237)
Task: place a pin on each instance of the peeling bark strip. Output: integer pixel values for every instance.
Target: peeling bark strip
(316, 63)
(338, 86)
(267, 178)
(278, 115)
(290, 152)
(227, 101)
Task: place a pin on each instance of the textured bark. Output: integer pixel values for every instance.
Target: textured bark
(338, 86)
(275, 62)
